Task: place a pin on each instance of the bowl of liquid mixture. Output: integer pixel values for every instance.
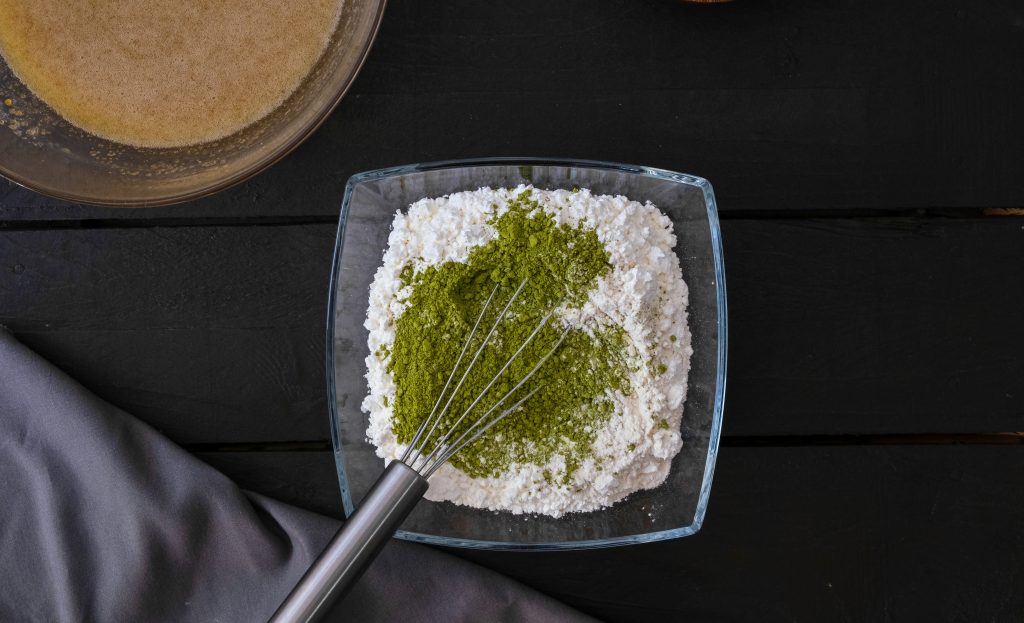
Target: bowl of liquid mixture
(155, 102)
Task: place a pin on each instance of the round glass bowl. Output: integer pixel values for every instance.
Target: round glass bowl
(42, 151)
(674, 509)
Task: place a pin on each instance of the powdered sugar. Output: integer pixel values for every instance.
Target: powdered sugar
(643, 293)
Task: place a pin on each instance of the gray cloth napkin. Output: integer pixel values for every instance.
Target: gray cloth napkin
(103, 519)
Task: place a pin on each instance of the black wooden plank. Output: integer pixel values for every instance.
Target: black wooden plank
(209, 334)
(895, 326)
(215, 334)
(782, 105)
(900, 533)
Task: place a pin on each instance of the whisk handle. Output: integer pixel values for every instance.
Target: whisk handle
(354, 547)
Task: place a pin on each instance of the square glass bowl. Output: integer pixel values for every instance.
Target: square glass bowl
(674, 509)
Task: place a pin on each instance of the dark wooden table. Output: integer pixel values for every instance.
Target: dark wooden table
(869, 162)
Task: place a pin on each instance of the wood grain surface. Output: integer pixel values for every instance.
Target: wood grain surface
(837, 326)
(783, 105)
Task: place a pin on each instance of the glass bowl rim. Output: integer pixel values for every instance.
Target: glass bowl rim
(286, 147)
(721, 359)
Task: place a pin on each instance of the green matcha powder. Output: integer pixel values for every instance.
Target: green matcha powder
(561, 265)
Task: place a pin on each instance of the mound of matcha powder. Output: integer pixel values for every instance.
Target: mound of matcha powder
(560, 265)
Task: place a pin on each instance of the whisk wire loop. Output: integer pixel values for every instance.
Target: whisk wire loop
(442, 450)
(451, 429)
(440, 397)
(461, 442)
(483, 345)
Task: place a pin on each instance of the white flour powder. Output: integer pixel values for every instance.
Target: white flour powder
(643, 293)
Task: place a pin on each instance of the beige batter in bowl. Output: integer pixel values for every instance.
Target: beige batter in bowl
(42, 151)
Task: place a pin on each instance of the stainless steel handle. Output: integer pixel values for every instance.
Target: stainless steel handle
(351, 551)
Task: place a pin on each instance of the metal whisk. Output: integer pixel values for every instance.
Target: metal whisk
(405, 481)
